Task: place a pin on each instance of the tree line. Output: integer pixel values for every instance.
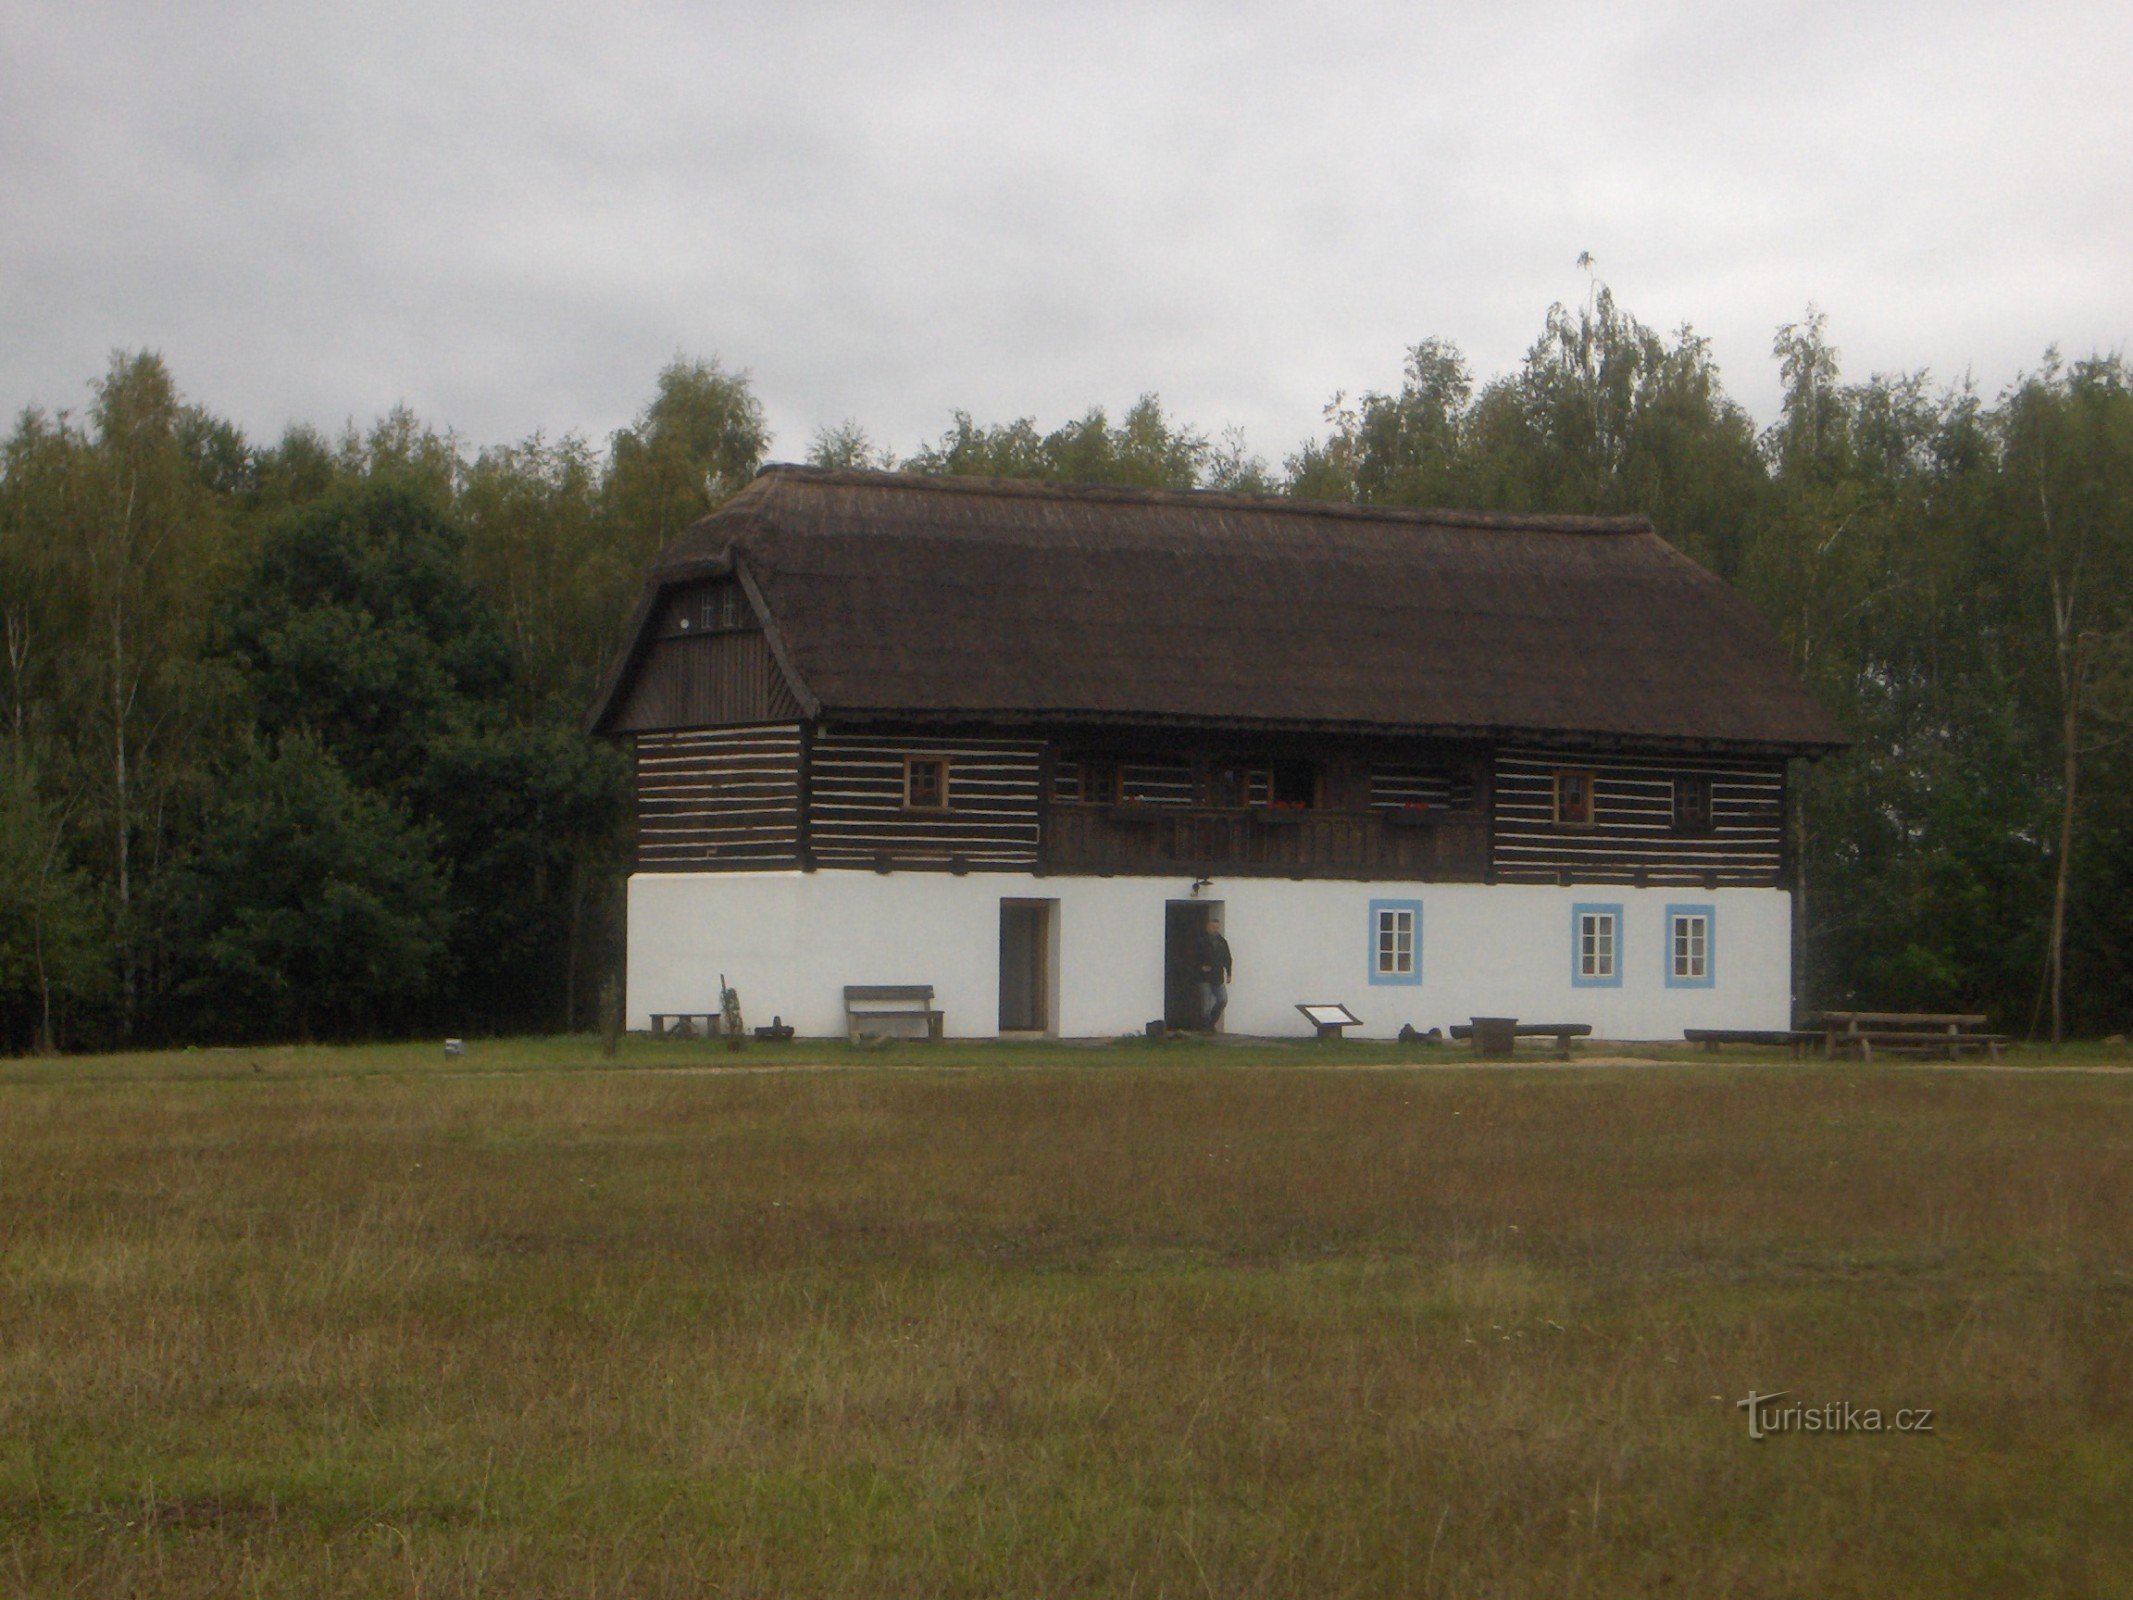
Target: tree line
(289, 732)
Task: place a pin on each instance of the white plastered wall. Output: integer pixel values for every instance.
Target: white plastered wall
(790, 941)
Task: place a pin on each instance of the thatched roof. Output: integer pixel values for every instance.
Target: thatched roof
(956, 599)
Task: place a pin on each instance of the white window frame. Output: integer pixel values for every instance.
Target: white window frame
(1394, 917)
(1691, 947)
(1596, 946)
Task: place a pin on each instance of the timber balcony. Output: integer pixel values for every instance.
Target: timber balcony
(1450, 846)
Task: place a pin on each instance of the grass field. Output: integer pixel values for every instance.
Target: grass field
(1145, 1320)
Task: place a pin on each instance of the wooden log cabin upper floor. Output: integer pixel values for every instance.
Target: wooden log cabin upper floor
(866, 670)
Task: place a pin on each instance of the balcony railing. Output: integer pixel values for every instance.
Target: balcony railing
(1448, 846)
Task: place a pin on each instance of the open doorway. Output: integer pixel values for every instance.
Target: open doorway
(1027, 987)
(1184, 923)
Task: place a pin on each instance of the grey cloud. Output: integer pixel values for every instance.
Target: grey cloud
(510, 217)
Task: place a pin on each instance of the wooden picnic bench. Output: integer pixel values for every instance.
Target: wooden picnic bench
(890, 1011)
(685, 1024)
(1858, 1034)
(1492, 1036)
(1794, 1039)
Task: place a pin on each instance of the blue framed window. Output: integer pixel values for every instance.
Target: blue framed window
(1691, 947)
(1596, 946)
(1396, 941)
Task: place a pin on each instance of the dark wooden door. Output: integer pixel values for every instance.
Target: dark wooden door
(1025, 965)
(1183, 923)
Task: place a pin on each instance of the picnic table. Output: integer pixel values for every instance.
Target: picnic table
(1919, 1033)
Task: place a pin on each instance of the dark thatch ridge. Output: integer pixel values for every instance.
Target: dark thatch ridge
(897, 597)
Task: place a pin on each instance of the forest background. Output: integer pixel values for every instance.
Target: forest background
(290, 733)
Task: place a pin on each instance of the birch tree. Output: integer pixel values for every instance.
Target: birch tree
(2067, 503)
(49, 950)
(147, 539)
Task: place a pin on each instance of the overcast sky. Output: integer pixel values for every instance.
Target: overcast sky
(509, 217)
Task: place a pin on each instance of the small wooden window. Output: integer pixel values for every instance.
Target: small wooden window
(711, 608)
(1084, 780)
(1573, 798)
(926, 783)
(1231, 784)
(724, 609)
(1692, 803)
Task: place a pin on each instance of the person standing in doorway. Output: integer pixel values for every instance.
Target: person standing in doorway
(1215, 968)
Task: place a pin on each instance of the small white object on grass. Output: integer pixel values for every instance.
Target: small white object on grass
(454, 1048)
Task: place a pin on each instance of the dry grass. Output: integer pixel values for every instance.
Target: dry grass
(1148, 1323)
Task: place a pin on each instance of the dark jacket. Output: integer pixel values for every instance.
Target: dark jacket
(1214, 962)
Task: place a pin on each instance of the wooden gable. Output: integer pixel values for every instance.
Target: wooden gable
(704, 661)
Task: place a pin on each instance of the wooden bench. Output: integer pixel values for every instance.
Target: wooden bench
(1859, 1034)
(890, 1011)
(1561, 1032)
(685, 1024)
(1795, 1040)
